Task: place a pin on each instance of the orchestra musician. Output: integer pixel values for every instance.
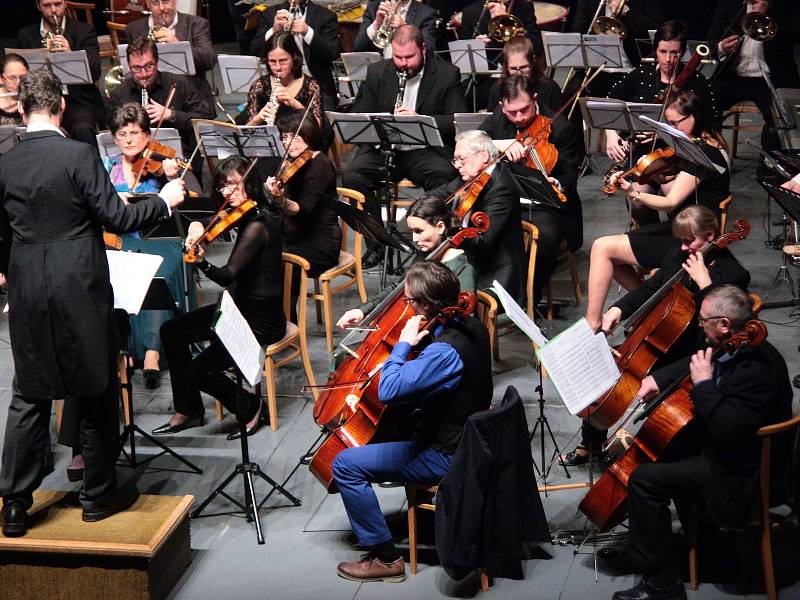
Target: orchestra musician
(85, 114)
(253, 274)
(615, 256)
(316, 33)
(12, 68)
(695, 226)
(61, 305)
(430, 221)
(167, 25)
(498, 253)
(432, 87)
(450, 379)
(733, 396)
(745, 62)
(400, 12)
(517, 112)
(477, 15)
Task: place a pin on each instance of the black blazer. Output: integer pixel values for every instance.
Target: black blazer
(522, 9)
(195, 30)
(324, 48)
(642, 16)
(418, 14)
(440, 94)
(51, 248)
(487, 505)
(499, 253)
(81, 36)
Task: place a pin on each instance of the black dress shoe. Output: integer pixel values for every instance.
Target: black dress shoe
(647, 591)
(121, 500)
(796, 381)
(75, 474)
(152, 379)
(166, 428)
(617, 560)
(263, 419)
(371, 259)
(576, 459)
(15, 519)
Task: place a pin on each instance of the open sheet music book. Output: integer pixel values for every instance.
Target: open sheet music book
(235, 334)
(578, 360)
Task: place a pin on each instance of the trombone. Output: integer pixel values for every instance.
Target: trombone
(506, 26)
(611, 25)
(757, 26)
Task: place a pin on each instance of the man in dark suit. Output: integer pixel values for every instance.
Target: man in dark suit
(316, 32)
(498, 253)
(403, 11)
(433, 87)
(744, 62)
(85, 114)
(173, 26)
(61, 301)
(733, 396)
(517, 111)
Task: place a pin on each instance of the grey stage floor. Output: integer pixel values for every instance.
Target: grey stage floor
(304, 544)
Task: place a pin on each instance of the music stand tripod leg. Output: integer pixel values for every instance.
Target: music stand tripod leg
(541, 425)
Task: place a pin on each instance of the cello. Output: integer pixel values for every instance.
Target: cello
(650, 331)
(666, 416)
(348, 406)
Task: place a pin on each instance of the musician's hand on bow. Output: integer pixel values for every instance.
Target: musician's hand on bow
(352, 317)
(165, 36)
(622, 183)
(299, 26)
(194, 233)
(173, 192)
(405, 111)
(696, 267)
(644, 137)
(515, 151)
(411, 333)
(611, 319)
(616, 147)
(155, 110)
(171, 168)
(700, 366)
(729, 44)
(281, 21)
(274, 187)
(648, 389)
(793, 185)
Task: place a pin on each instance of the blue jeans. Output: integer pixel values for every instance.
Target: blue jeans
(355, 469)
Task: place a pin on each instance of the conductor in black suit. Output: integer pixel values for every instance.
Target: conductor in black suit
(171, 26)
(85, 113)
(403, 11)
(316, 32)
(61, 301)
(433, 87)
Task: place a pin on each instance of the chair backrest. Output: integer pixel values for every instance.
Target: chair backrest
(530, 237)
(86, 7)
(118, 33)
(290, 260)
(723, 215)
(356, 199)
(755, 300)
(790, 478)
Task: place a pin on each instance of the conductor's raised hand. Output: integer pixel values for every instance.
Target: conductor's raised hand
(173, 192)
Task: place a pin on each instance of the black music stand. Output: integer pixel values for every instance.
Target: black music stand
(790, 203)
(158, 297)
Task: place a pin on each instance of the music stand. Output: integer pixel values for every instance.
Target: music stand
(534, 189)
(790, 203)
(9, 137)
(470, 56)
(158, 297)
(71, 68)
(221, 140)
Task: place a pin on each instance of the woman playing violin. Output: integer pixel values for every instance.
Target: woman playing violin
(449, 379)
(430, 222)
(253, 274)
(309, 226)
(615, 256)
(12, 68)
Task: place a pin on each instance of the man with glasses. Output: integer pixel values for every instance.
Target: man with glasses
(168, 26)
(448, 380)
(85, 114)
(733, 395)
(148, 86)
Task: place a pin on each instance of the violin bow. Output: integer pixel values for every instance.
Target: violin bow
(282, 166)
(153, 137)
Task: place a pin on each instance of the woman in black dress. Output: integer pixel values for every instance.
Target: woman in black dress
(254, 277)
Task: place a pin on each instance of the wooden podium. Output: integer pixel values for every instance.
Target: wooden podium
(138, 553)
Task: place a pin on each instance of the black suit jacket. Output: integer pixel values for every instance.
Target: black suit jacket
(642, 16)
(778, 53)
(440, 94)
(522, 10)
(418, 14)
(51, 248)
(81, 36)
(196, 31)
(752, 391)
(324, 48)
(499, 253)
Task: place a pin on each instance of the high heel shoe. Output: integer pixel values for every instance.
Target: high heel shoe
(263, 419)
(167, 428)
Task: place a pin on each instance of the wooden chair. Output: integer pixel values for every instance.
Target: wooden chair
(735, 112)
(293, 341)
(420, 497)
(723, 215)
(572, 265)
(397, 201)
(755, 300)
(764, 522)
(349, 267)
(118, 33)
(107, 47)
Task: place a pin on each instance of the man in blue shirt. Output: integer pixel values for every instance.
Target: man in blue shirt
(448, 380)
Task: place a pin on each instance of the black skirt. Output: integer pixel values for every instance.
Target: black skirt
(650, 243)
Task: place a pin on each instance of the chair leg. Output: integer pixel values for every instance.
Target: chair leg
(411, 494)
(318, 304)
(307, 364)
(122, 371)
(59, 413)
(486, 580)
(549, 297)
(766, 558)
(327, 316)
(362, 290)
(735, 133)
(572, 263)
(691, 530)
(218, 409)
(272, 403)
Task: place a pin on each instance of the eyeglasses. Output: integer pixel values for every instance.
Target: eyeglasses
(228, 187)
(519, 69)
(139, 69)
(12, 78)
(161, 2)
(703, 320)
(678, 122)
(124, 135)
(409, 299)
(461, 159)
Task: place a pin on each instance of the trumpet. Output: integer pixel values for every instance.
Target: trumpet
(154, 29)
(506, 26)
(48, 39)
(294, 13)
(611, 25)
(383, 35)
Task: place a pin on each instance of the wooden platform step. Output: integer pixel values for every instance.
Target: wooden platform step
(138, 553)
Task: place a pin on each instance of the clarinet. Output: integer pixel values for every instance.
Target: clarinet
(401, 91)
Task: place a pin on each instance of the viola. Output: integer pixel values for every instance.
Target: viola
(540, 154)
(152, 159)
(223, 221)
(666, 416)
(657, 163)
(288, 171)
(466, 195)
(348, 405)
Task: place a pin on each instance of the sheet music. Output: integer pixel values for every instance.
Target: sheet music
(563, 49)
(683, 145)
(238, 72)
(235, 334)
(131, 274)
(603, 50)
(72, 68)
(470, 57)
(518, 316)
(580, 365)
(356, 64)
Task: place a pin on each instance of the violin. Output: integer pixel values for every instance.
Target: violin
(224, 220)
(540, 154)
(655, 164)
(153, 157)
(466, 195)
(288, 171)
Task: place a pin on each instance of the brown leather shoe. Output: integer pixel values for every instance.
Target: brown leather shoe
(370, 568)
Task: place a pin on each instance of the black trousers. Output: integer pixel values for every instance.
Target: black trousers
(81, 122)
(598, 88)
(650, 488)
(730, 89)
(552, 231)
(26, 453)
